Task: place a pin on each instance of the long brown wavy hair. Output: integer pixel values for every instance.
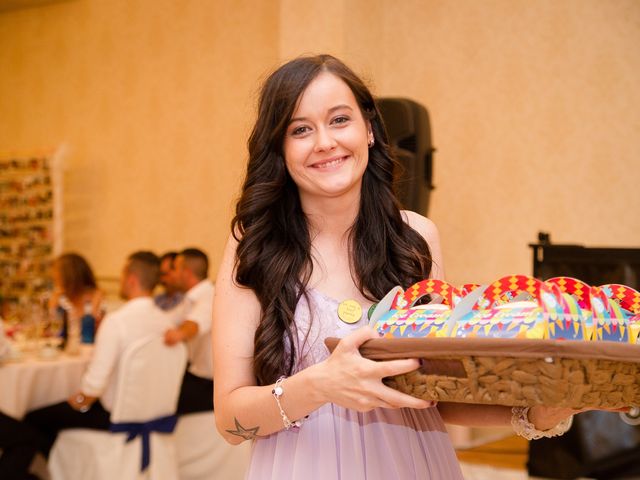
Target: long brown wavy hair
(273, 257)
(75, 274)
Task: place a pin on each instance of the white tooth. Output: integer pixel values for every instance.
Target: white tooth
(330, 164)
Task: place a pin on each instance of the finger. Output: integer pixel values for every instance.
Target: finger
(384, 404)
(357, 338)
(389, 368)
(397, 399)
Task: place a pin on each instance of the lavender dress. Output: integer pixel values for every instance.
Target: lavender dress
(337, 443)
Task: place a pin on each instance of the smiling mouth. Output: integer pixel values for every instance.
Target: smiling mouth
(330, 163)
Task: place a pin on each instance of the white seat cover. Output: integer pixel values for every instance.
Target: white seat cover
(149, 379)
(202, 452)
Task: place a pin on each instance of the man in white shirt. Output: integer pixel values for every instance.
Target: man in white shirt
(193, 326)
(138, 318)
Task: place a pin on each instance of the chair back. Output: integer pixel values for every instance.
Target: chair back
(149, 379)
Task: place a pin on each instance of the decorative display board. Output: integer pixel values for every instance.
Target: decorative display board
(29, 226)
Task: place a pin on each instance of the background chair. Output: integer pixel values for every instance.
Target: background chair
(149, 379)
(202, 452)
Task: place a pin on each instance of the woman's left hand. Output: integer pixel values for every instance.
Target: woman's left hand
(544, 417)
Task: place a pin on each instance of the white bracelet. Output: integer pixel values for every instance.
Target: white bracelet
(523, 427)
(277, 393)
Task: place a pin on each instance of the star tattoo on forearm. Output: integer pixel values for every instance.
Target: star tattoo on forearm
(246, 433)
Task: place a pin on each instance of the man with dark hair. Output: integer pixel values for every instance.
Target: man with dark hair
(138, 318)
(193, 326)
(171, 296)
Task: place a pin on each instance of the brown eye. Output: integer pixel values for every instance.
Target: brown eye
(300, 131)
(341, 119)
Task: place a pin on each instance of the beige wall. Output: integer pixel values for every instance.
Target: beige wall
(535, 109)
(153, 100)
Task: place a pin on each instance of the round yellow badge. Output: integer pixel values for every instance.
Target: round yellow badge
(349, 311)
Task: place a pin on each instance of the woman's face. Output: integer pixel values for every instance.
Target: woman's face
(326, 143)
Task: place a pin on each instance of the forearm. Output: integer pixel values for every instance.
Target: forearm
(542, 418)
(188, 330)
(184, 332)
(471, 415)
(252, 411)
(81, 402)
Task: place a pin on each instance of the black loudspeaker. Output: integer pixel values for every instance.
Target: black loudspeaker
(595, 266)
(409, 129)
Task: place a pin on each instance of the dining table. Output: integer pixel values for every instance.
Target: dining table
(37, 379)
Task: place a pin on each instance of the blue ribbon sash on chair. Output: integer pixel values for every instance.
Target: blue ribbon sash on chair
(144, 429)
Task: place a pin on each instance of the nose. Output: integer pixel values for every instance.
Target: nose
(324, 140)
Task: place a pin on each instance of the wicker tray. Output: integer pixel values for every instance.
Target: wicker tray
(497, 371)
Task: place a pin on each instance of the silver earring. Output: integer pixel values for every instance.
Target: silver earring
(371, 142)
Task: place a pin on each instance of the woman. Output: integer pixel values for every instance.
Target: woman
(317, 225)
(76, 295)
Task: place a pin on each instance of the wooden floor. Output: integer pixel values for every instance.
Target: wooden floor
(510, 452)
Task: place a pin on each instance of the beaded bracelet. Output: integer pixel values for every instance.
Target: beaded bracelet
(523, 427)
(277, 393)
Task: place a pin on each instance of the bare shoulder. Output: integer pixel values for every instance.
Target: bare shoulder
(229, 295)
(429, 232)
(422, 225)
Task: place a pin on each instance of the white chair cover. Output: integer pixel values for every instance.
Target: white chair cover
(202, 452)
(149, 378)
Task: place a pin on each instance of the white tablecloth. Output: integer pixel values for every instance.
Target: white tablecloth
(33, 382)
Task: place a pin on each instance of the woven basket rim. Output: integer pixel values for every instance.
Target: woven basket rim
(394, 348)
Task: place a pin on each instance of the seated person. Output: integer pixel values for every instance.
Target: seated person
(171, 295)
(138, 318)
(76, 294)
(17, 440)
(193, 320)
